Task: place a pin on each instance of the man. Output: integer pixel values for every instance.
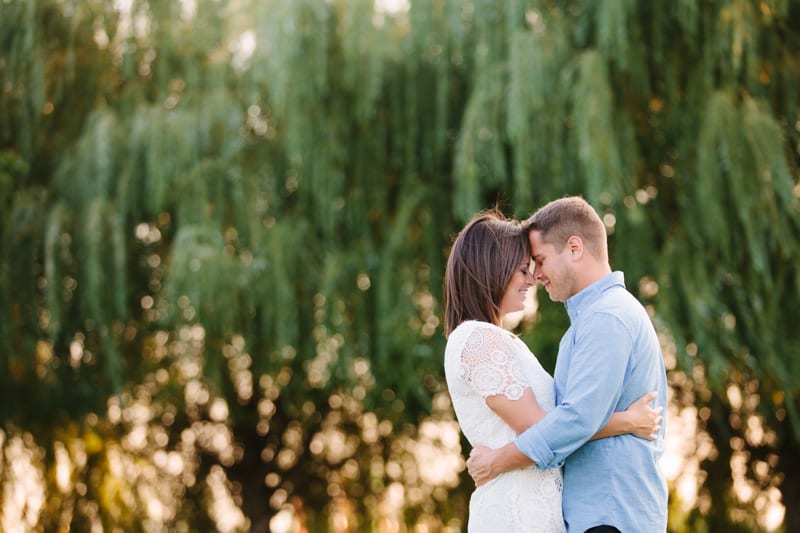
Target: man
(609, 357)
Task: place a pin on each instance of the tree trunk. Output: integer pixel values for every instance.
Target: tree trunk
(250, 472)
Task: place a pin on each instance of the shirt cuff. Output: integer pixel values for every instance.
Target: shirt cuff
(533, 445)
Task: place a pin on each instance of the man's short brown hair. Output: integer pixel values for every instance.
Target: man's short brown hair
(561, 219)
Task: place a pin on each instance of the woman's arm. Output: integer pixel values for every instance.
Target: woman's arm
(639, 420)
(519, 414)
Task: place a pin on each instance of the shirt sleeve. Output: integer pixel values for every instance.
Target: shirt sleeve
(599, 351)
(489, 366)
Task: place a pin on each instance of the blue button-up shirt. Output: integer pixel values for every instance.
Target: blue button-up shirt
(609, 357)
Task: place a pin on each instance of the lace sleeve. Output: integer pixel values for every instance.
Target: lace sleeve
(489, 365)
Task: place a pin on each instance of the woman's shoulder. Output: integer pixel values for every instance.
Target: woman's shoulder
(479, 333)
(472, 328)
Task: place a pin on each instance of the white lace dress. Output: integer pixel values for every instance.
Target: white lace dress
(482, 360)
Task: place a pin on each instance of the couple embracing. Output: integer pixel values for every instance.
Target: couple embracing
(577, 451)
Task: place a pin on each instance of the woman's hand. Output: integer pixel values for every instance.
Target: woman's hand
(644, 421)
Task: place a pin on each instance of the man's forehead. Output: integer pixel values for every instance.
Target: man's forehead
(541, 249)
(535, 238)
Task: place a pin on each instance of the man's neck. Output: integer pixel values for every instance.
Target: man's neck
(592, 273)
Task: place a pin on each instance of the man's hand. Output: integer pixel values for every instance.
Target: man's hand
(479, 465)
(485, 464)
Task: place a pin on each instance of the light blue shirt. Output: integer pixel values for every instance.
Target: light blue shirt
(609, 357)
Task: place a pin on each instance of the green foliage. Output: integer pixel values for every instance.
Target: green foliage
(224, 225)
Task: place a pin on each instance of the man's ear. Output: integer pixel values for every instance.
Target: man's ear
(575, 247)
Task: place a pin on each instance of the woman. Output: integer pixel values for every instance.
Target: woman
(497, 386)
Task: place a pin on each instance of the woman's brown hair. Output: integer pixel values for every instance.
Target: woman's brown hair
(483, 258)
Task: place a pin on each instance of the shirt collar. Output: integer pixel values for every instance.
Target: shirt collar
(580, 301)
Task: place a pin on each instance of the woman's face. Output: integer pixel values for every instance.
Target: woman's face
(514, 297)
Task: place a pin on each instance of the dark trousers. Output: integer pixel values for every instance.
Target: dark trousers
(603, 529)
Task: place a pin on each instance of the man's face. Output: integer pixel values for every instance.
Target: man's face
(553, 269)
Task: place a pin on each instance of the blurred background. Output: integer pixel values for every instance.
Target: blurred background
(224, 225)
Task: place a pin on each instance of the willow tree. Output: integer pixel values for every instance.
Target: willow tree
(224, 229)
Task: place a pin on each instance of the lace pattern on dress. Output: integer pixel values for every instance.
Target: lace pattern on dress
(489, 365)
